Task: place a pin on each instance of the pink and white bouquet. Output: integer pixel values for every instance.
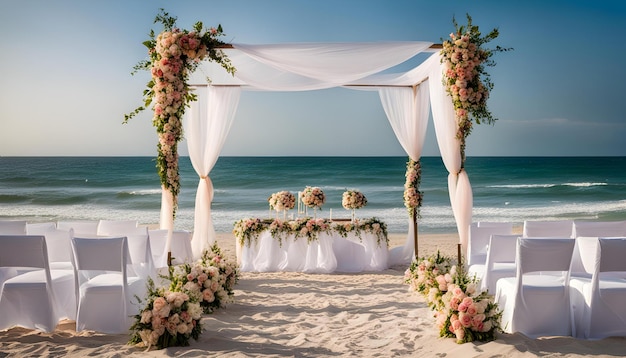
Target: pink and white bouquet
(169, 318)
(282, 200)
(246, 230)
(210, 280)
(313, 197)
(352, 199)
(310, 227)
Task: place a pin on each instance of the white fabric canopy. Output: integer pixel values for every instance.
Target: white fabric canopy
(310, 66)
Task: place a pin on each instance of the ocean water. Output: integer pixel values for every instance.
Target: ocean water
(505, 188)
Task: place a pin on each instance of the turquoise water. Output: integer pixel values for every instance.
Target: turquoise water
(505, 188)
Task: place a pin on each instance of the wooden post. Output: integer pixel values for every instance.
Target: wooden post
(169, 258)
(458, 253)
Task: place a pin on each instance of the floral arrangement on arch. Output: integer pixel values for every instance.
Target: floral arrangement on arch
(282, 200)
(465, 76)
(313, 197)
(174, 53)
(461, 310)
(171, 315)
(412, 195)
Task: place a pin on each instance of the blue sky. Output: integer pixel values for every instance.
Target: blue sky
(66, 83)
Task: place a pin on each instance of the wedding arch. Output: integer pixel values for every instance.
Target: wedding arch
(407, 98)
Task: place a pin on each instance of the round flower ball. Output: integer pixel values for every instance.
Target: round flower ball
(353, 199)
(282, 200)
(313, 197)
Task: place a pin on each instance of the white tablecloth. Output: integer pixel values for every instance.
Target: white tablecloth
(330, 252)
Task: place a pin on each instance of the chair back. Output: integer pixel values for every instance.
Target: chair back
(478, 242)
(116, 227)
(495, 224)
(599, 229)
(544, 254)
(40, 228)
(81, 228)
(23, 251)
(59, 245)
(555, 228)
(612, 254)
(158, 246)
(12, 227)
(103, 254)
(140, 253)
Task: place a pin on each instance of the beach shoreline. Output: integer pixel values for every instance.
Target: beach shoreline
(287, 314)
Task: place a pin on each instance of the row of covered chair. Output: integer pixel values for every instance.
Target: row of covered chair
(556, 284)
(49, 273)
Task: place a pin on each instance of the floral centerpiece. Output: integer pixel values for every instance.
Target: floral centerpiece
(174, 53)
(169, 318)
(461, 311)
(283, 200)
(466, 78)
(352, 200)
(309, 227)
(313, 197)
(372, 226)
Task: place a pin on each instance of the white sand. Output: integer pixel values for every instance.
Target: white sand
(314, 315)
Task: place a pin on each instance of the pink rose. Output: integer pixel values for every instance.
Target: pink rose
(465, 319)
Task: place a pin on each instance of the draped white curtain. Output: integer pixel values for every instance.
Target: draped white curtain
(407, 110)
(207, 124)
(446, 128)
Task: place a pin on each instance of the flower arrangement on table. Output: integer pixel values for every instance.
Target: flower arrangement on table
(282, 200)
(248, 230)
(171, 315)
(461, 311)
(174, 53)
(352, 200)
(313, 197)
(466, 78)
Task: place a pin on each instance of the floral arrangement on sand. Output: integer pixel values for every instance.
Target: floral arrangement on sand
(313, 197)
(466, 78)
(352, 199)
(412, 196)
(174, 53)
(282, 200)
(248, 230)
(461, 311)
(171, 315)
(211, 278)
(168, 319)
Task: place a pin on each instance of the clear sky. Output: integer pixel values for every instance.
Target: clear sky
(66, 81)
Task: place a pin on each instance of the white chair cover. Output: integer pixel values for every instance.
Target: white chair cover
(38, 297)
(81, 228)
(140, 260)
(158, 246)
(104, 292)
(181, 247)
(500, 261)
(40, 228)
(536, 301)
(556, 228)
(12, 227)
(116, 227)
(494, 224)
(478, 245)
(599, 229)
(59, 243)
(598, 309)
